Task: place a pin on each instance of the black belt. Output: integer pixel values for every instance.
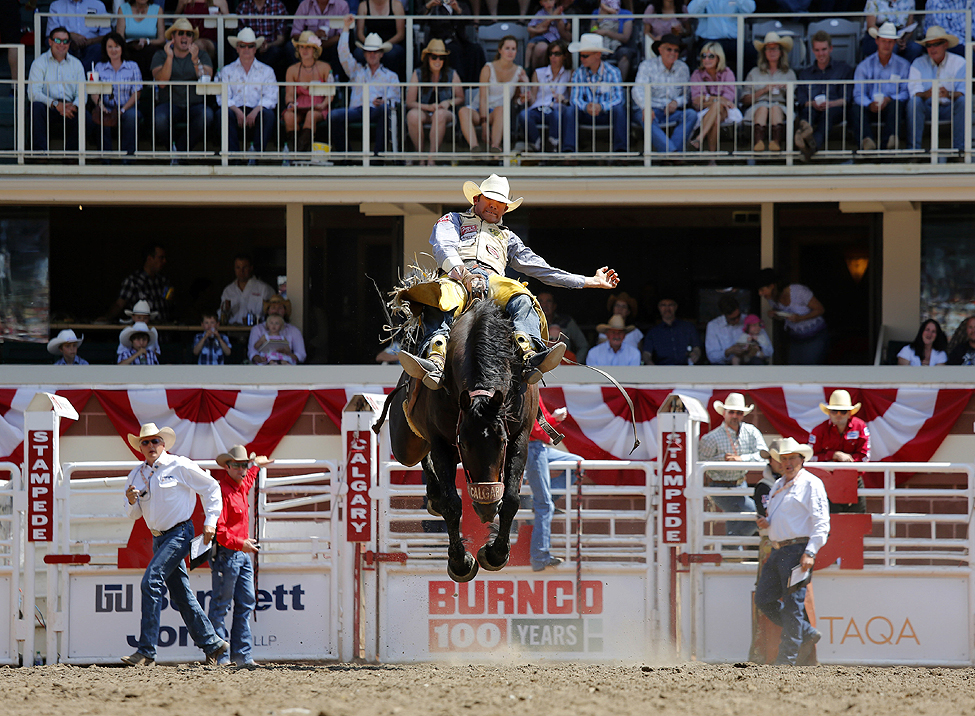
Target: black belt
(157, 533)
(786, 543)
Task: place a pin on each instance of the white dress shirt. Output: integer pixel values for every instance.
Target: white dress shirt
(799, 509)
(173, 482)
(250, 299)
(254, 88)
(719, 337)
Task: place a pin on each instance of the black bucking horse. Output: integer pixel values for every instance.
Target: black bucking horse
(482, 417)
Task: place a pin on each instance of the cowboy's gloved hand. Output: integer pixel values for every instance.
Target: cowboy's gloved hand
(475, 283)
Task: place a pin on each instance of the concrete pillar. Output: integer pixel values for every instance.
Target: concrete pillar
(901, 270)
(416, 238)
(295, 261)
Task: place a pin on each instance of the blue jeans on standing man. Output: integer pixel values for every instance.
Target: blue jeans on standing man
(683, 120)
(537, 472)
(198, 118)
(737, 503)
(790, 613)
(167, 570)
(233, 581)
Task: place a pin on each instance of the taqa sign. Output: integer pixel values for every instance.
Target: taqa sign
(359, 476)
(40, 486)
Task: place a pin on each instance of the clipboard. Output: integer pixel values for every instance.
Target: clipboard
(201, 553)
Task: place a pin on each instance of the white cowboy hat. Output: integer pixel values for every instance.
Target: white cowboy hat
(373, 43)
(936, 33)
(735, 401)
(246, 36)
(142, 308)
(789, 446)
(616, 323)
(125, 337)
(65, 336)
(149, 430)
(589, 42)
(774, 38)
(494, 187)
(887, 31)
(840, 400)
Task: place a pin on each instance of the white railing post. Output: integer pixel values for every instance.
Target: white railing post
(20, 106)
(967, 146)
(82, 122)
(409, 46)
(740, 40)
(935, 118)
(790, 120)
(647, 126)
(224, 124)
(505, 129)
(366, 109)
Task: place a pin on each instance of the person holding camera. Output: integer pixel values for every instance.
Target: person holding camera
(211, 347)
(231, 567)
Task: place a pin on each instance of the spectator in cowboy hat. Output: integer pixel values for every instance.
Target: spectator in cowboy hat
(66, 345)
(301, 107)
(623, 304)
(252, 95)
(949, 69)
(596, 95)
(875, 76)
(179, 62)
(732, 441)
(670, 95)
(163, 491)
(798, 526)
(137, 346)
(279, 306)
(765, 94)
(614, 351)
(899, 14)
(141, 313)
(842, 438)
(231, 570)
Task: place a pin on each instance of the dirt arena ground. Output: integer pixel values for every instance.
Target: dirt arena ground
(486, 690)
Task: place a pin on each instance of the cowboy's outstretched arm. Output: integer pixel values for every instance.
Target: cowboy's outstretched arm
(604, 278)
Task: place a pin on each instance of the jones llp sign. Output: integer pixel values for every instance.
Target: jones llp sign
(40, 485)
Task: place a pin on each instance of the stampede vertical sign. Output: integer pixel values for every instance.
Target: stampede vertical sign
(359, 466)
(674, 479)
(42, 462)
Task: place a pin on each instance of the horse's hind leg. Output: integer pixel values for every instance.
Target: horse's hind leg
(441, 468)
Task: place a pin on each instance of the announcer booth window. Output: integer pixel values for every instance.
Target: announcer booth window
(947, 264)
(24, 284)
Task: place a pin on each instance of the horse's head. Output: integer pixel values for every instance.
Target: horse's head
(482, 441)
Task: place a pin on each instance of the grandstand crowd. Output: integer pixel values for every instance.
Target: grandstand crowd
(447, 78)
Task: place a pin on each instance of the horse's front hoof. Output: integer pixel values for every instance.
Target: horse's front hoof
(434, 508)
(482, 559)
(471, 565)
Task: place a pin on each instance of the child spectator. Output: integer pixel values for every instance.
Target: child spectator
(210, 347)
(274, 346)
(66, 345)
(140, 348)
(231, 569)
(141, 312)
(755, 341)
(546, 27)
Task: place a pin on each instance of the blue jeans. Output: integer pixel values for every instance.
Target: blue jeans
(659, 140)
(790, 613)
(919, 112)
(559, 122)
(808, 351)
(260, 133)
(540, 455)
(891, 120)
(233, 580)
(737, 503)
(615, 117)
(45, 119)
(199, 118)
(127, 124)
(167, 570)
(379, 123)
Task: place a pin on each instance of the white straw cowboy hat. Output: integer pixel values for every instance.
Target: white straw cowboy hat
(774, 38)
(65, 336)
(840, 400)
(373, 43)
(887, 31)
(149, 430)
(142, 308)
(238, 453)
(182, 24)
(616, 323)
(435, 47)
(735, 401)
(589, 42)
(494, 187)
(125, 337)
(789, 446)
(246, 36)
(309, 39)
(936, 33)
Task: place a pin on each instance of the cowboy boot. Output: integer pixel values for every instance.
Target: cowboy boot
(778, 138)
(429, 369)
(537, 362)
(304, 141)
(760, 134)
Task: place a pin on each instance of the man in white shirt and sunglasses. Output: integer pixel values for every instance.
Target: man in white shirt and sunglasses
(163, 491)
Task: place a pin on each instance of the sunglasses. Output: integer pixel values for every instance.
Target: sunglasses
(233, 463)
(556, 54)
(246, 45)
(709, 56)
(183, 33)
(60, 41)
(151, 441)
(940, 43)
(588, 54)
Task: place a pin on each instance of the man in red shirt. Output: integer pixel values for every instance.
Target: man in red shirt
(231, 568)
(842, 438)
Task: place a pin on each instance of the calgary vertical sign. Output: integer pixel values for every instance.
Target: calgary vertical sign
(40, 485)
(674, 503)
(359, 466)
